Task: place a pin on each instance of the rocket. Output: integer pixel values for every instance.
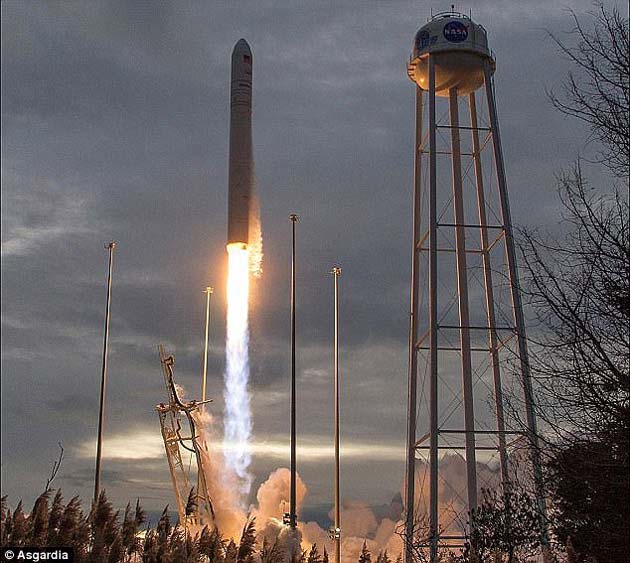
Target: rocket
(241, 166)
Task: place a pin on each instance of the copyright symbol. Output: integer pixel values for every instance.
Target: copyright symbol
(9, 554)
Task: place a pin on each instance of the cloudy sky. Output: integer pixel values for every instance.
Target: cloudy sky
(115, 126)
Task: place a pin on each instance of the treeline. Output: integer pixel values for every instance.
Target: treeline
(105, 536)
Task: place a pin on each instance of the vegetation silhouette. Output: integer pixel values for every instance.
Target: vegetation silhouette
(102, 536)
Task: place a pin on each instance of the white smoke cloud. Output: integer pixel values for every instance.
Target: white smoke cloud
(220, 480)
(452, 493)
(272, 501)
(359, 522)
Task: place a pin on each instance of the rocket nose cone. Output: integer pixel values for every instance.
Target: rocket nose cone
(242, 47)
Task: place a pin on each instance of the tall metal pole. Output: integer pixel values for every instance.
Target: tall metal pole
(208, 291)
(433, 324)
(336, 271)
(292, 510)
(517, 308)
(202, 489)
(99, 440)
(413, 339)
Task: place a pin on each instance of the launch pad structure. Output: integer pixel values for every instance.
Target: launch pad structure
(467, 337)
(177, 444)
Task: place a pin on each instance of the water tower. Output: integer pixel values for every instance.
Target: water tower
(467, 334)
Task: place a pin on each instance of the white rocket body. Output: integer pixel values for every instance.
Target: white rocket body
(241, 170)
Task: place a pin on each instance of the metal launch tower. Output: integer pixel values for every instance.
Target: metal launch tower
(179, 444)
(467, 333)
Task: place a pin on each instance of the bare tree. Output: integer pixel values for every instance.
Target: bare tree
(420, 539)
(597, 92)
(504, 528)
(579, 289)
(55, 468)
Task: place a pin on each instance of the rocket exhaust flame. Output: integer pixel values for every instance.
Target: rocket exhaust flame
(238, 422)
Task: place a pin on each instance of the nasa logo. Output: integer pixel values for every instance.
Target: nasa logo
(455, 31)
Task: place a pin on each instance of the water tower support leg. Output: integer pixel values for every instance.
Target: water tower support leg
(462, 293)
(433, 324)
(413, 338)
(517, 308)
(487, 275)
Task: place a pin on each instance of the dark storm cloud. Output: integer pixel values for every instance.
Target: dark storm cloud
(115, 125)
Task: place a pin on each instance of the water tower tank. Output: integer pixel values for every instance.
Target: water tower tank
(459, 47)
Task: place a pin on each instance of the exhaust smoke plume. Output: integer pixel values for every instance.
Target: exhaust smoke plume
(229, 517)
(380, 530)
(272, 499)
